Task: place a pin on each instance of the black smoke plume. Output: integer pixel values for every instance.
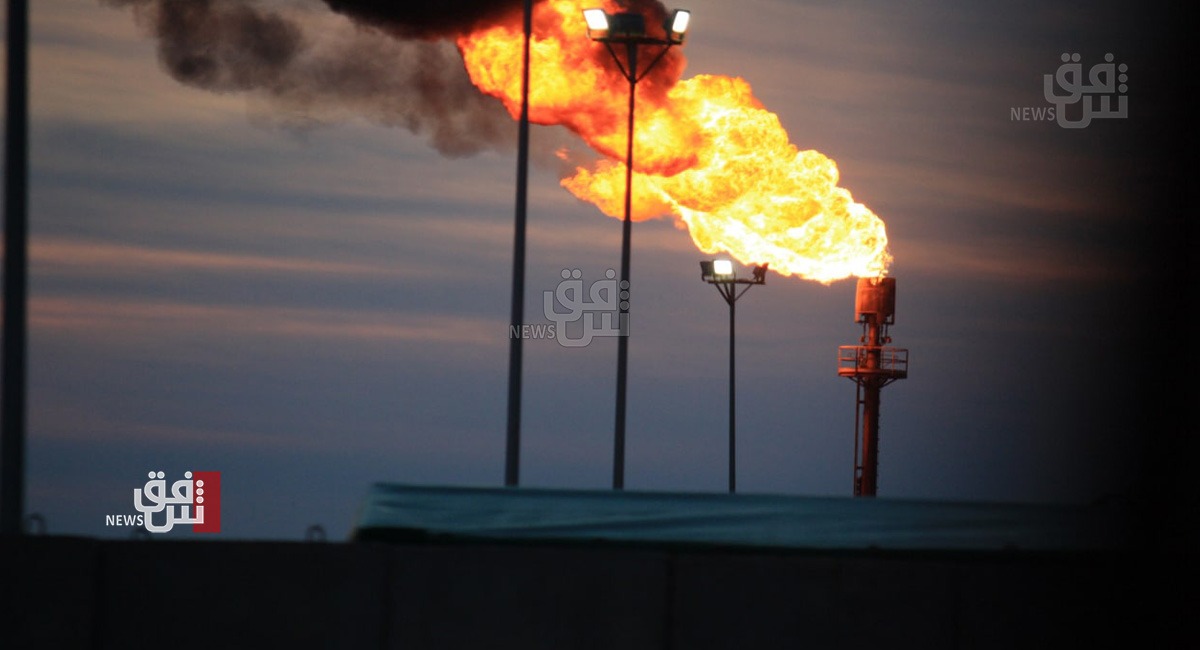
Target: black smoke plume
(425, 20)
(391, 62)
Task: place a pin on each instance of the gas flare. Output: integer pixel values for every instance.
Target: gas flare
(706, 151)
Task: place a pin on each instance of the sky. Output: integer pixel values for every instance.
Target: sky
(309, 293)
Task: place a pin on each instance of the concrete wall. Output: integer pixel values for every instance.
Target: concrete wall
(84, 593)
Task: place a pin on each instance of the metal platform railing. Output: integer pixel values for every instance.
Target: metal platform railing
(855, 360)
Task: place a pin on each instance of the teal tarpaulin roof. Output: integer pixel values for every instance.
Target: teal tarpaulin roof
(405, 512)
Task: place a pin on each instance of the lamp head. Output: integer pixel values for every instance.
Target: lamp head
(626, 24)
(677, 25)
(597, 23)
(760, 274)
(722, 269)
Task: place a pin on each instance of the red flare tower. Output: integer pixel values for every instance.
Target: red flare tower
(872, 366)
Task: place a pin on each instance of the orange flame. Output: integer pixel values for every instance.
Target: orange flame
(705, 149)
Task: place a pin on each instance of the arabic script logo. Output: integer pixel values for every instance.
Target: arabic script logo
(1105, 86)
(195, 500)
(602, 311)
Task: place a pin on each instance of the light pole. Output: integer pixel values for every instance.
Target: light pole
(719, 273)
(16, 270)
(512, 445)
(629, 28)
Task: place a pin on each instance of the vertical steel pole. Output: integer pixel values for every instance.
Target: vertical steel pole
(16, 263)
(871, 387)
(626, 231)
(732, 399)
(512, 447)
(870, 437)
(858, 401)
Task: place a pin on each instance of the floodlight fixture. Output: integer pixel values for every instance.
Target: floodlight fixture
(626, 26)
(677, 25)
(760, 273)
(597, 23)
(723, 269)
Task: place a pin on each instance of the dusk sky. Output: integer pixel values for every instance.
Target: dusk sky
(308, 291)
